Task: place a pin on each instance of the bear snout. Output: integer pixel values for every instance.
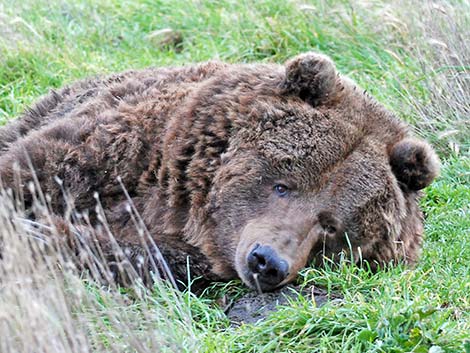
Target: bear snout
(267, 268)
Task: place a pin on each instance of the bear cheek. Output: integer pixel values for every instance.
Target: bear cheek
(296, 251)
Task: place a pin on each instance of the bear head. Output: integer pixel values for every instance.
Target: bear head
(305, 166)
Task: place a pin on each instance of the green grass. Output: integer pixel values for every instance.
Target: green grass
(412, 56)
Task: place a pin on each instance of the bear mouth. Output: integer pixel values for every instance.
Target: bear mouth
(256, 282)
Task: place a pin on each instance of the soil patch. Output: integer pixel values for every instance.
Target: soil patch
(254, 307)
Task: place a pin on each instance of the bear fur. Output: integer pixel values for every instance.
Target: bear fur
(222, 159)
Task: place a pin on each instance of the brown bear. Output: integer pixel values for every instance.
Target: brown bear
(247, 171)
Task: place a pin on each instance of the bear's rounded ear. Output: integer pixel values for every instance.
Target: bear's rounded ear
(311, 76)
(414, 163)
(330, 223)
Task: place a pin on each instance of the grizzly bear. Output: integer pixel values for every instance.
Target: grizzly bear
(247, 171)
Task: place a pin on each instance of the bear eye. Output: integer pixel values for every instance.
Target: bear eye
(281, 190)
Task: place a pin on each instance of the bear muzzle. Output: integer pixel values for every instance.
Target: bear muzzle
(267, 269)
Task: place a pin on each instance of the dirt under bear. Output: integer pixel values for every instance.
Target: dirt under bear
(247, 171)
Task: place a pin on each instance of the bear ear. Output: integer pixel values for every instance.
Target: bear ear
(330, 223)
(310, 76)
(414, 163)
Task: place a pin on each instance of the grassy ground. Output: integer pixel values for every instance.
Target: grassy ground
(413, 56)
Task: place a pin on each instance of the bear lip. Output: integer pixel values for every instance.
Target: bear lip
(258, 284)
(261, 285)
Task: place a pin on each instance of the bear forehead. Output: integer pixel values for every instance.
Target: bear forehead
(250, 97)
(312, 141)
(289, 134)
(305, 133)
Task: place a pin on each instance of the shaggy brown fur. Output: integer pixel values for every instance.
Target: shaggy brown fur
(200, 150)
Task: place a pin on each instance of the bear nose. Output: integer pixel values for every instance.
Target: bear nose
(265, 262)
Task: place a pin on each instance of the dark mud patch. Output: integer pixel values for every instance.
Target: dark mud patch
(254, 307)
